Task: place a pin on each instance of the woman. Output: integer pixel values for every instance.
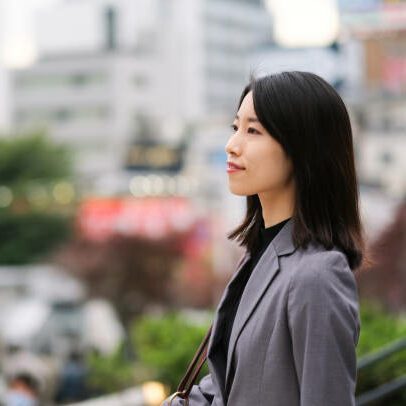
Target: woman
(286, 328)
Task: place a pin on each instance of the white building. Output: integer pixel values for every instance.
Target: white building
(4, 96)
(4, 101)
(341, 65)
(173, 62)
(382, 144)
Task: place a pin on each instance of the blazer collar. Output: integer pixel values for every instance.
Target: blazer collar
(262, 275)
(283, 241)
(282, 244)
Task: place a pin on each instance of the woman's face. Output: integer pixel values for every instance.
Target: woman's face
(266, 169)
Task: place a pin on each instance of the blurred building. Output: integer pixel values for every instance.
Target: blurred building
(4, 102)
(324, 61)
(339, 63)
(382, 143)
(135, 70)
(379, 107)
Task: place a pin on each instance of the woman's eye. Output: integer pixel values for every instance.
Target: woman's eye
(253, 131)
(234, 127)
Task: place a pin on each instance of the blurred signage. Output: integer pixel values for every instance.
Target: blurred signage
(366, 5)
(99, 218)
(385, 62)
(363, 17)
(358, 5)
(149, 156)
(394, 73)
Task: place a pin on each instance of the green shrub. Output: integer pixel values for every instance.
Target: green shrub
(29, 236)
(378, 329)
(28, 157)
(110, 373)
(165, 346)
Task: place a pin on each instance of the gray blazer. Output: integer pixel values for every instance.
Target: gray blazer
(294, 335)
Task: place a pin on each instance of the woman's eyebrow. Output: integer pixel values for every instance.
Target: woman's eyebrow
(249, 119)
(253, 120)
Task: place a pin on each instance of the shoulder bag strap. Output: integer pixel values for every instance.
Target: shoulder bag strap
(187, 382)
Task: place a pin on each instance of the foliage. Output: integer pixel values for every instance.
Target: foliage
(384, 279)
(162, 354)
(29, 225)
(31, 157)
(378, 329)
(165, 345)
(110, 373)
(27, 237)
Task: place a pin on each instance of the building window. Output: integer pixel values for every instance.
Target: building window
(386, 157)
(61, 115)
(43, 81)
(140, 80)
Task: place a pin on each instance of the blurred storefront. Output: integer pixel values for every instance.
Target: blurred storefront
(151, 217)
(378, 109)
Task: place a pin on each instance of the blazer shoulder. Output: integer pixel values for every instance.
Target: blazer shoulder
(317, 266)
(317, 256)
(324, 284)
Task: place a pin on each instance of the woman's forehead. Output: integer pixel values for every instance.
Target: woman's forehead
(246, 109)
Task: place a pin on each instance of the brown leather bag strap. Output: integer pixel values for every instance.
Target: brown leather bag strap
(194, 368)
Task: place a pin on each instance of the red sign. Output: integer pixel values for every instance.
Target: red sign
(394, 73)
(99, 218)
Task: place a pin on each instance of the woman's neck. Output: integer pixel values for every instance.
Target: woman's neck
(276, 208)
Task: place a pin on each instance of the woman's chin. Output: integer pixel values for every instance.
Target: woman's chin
(238, 191)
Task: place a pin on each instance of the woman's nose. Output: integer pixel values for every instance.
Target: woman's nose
(232, 147)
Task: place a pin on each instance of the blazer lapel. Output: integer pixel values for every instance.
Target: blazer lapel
(262, 275)
(220, 313)
(216, 363)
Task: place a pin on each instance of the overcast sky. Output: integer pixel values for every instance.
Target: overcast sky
(296, 23)
(17, 30)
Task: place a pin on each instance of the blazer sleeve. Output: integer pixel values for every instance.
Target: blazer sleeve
(323, 317)
(201, 394)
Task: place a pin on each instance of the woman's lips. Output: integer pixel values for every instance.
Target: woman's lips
(232, 167)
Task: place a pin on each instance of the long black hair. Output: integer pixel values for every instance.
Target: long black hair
(308, 118)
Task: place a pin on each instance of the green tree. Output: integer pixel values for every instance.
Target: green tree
(28, 158)
(165, 346)
(378, 329)
(35, 192)
(27, 237)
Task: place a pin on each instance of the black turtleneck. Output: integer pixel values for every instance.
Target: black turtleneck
(265, 237)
